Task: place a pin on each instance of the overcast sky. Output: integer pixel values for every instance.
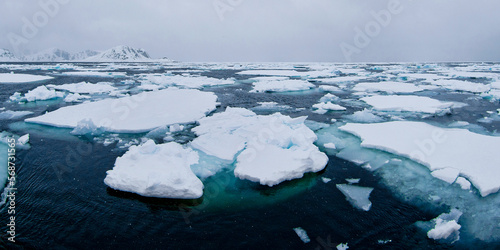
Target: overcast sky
(261, 30)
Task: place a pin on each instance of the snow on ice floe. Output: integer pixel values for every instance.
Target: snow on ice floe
(401, 103)
(474, 155)
(302, 234)
(182, 81)
(390, 87)
(157, 170)
(22, 78)
(85, 87)
(446, 227)
(134, 114)
(281, 85)
(40, 93)
(356, 195)
(268, 149)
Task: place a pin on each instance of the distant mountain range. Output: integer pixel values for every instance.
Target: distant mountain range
(116, 54)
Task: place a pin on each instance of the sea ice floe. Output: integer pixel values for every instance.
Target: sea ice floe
(281, 86)
(474, 155)
(40, 93)
(10, 115)
(290, 73)
(94, 74)
(157, 170)
(446, 227)
(364, 116)
(268, 149)
(389, 87)
(183, 81)
(22, 78)
(357, 196)
(401, 103)
(75, 97)
(460, 85)
(85, 87)
(135, 114)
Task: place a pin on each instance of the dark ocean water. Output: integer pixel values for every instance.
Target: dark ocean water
(63, 203)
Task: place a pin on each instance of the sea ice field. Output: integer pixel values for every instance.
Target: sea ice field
(252, 155)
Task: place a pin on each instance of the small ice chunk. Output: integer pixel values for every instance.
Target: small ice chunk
(446, 174)
(75, 97)
(325, 179)
(353, 180)
(40, 93)
(302, 234)
(356, 195)
(23, 139)
(446, 227)
(342, 246)
(330, 145)
(464, 183)
(364, 116)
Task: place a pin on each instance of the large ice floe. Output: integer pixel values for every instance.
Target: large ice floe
(390, 87)
(281, 85)
(22, 78)
(85, 87)
(134, 114)
(447, 152)
(401, 103)
(161, 171)
(267, 149)
(182, 81)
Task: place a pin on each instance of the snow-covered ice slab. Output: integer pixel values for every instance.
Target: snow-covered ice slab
(408, 103)
(95, 74)
(85, 87)
(357, 196)
(272, 148)
(475, 156)
(22, 78)
(281, 86)
(161, 171)
(184, 81)
(389, 87)
(135, 114)
(461, 85)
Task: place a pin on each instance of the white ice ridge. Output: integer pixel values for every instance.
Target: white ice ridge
(409, 103)
(135, 114)
(357, 196)
(281, 85)
(274, 148)
(474, 156)
(22, 78)
(161, 171)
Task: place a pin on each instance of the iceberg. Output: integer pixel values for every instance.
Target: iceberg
(474, 155)
(356, 195)
(135, 114)
(268, 149)
(161, 171)
(402, 103)
(22, 78)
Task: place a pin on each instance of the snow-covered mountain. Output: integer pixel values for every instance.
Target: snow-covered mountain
(7, 56)
(82, 55)
(49, 55)
(121, 54)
